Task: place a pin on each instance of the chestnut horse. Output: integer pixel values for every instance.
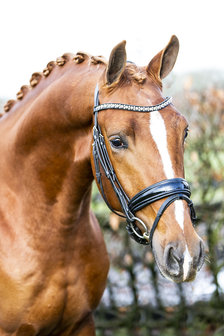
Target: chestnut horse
(53, 260)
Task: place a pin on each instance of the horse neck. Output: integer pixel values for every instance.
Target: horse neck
(50, 150)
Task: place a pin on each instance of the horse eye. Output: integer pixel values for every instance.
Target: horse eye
(186, 133)
(117, 143)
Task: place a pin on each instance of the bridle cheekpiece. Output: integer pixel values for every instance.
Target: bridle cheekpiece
(171, 189)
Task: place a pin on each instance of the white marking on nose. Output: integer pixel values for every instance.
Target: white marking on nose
(159, 135)
(158, 131)
(179, 213)
(187, 263)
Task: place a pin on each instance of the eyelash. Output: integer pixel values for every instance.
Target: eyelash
(118, 143)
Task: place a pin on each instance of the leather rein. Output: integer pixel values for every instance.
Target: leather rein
(170, 189)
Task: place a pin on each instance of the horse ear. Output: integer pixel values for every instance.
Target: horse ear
(117, 62)
(161, 65)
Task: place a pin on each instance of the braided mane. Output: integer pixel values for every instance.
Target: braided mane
(131, 72)
(36, 77)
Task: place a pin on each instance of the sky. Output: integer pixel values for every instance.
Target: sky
(36, 32)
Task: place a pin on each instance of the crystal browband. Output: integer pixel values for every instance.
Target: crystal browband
(118, 106)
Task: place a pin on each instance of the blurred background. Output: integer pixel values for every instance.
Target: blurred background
(137, 300)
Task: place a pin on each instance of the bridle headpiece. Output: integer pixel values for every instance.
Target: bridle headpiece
(170, 189)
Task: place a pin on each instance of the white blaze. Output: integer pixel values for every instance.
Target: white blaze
(179, 213)
(187, 263)
(158, 131)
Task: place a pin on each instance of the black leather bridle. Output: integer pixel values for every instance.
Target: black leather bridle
(170, 189)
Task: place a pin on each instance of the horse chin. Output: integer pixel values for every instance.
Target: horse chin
(179, 276)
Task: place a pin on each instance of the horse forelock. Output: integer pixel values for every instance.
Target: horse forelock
(131, 73)
(37, 77)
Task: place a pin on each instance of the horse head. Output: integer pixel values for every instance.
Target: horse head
(139, 150)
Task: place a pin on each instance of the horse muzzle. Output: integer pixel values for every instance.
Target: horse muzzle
(180, 263)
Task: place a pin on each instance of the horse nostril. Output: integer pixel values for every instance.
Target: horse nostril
(173, 261)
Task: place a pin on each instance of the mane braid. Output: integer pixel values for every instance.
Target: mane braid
(98, 60)
(23, 90)
(50, 66)
(80, 57)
